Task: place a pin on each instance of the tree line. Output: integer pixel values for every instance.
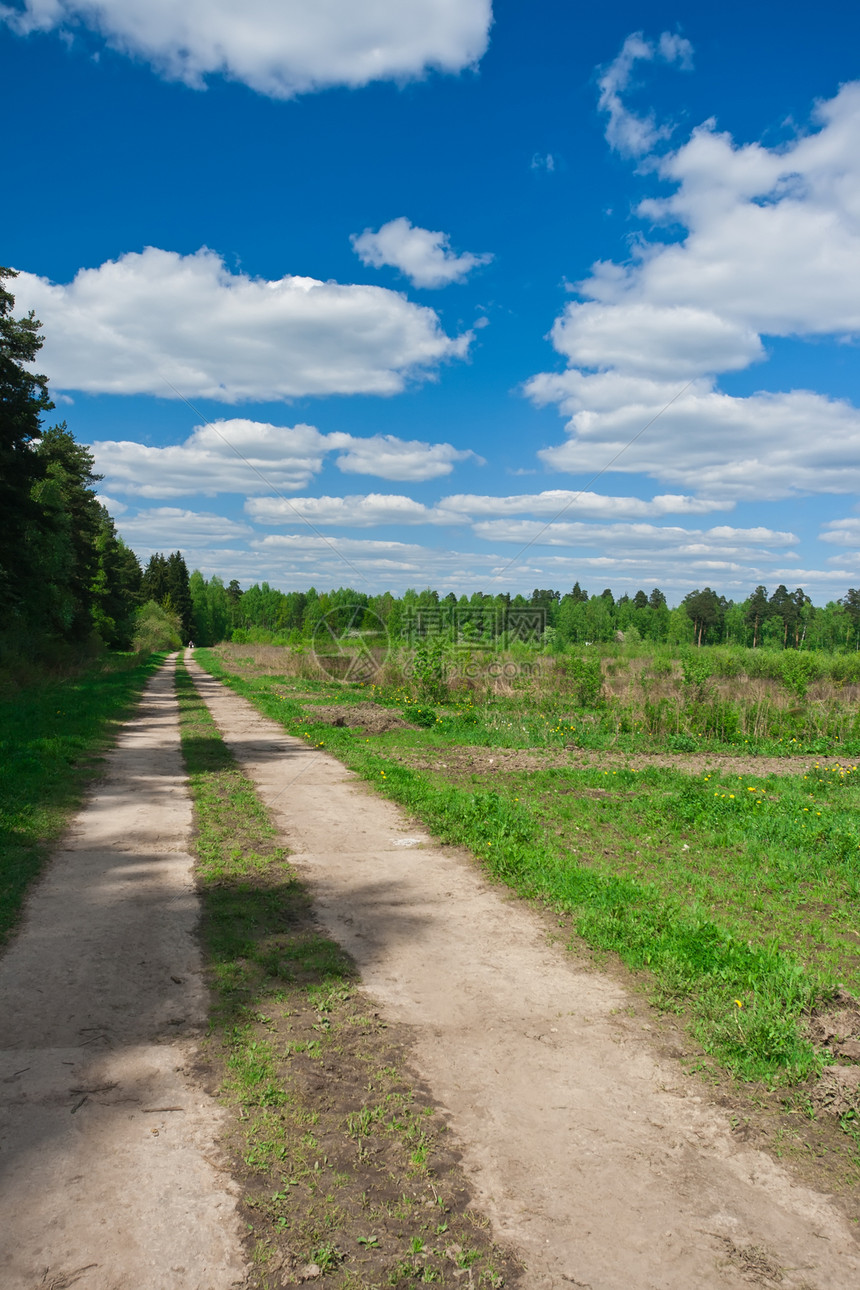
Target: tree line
(66, 577)
(782, 619)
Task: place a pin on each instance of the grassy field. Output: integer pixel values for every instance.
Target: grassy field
(345, 1168)
(53, 734)
(726, 878)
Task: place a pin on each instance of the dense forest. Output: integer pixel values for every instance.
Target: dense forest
(781, 620)
(67, 580)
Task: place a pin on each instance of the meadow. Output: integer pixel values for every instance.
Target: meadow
(693, 817)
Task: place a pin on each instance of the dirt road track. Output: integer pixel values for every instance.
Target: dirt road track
(602, 1163)
(101, 998)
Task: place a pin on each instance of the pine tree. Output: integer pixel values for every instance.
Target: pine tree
(23, 399)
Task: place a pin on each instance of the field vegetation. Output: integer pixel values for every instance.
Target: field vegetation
(691, 816)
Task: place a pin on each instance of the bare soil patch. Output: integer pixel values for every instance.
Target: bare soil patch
(356, 1178)
(470, 760)
(837, 1026)
(371, 717)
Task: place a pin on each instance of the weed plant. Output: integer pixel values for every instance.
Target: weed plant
(53, 733)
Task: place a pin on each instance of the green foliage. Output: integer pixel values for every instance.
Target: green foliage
(156, 628)
(64, 574)
(23, 399)
(586, 674)
(420, 716)
(430, 667)
(166, 582)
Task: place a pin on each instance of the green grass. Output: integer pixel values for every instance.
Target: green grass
(342, 1160)
(740, 905)
(52, 737)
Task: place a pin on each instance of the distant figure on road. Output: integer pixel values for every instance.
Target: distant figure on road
(191, 644)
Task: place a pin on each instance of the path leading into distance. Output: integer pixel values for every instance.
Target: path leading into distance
(110, 1176)
(602, 1163)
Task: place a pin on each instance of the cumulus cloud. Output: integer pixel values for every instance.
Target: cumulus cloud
(169, 526)
(723, 541)
(156, 319)
(770, 246)
(594, 505)
(636, 336)
(352, 512)
(278, 47)
(251, 457)
(424, 257)
(627, 133)
(842, 533)
(111, 504)
(766, 446)
(235, 456)
(393, 458)
(773, 234)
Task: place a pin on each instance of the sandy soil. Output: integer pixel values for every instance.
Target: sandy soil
(488, 761)
(596, 1157)
(110, 1178)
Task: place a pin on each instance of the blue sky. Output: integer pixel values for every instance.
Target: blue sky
(392, 295)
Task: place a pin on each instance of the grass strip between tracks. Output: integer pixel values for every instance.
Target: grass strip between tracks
(53, 735)
(747, 997)
(348, 1177)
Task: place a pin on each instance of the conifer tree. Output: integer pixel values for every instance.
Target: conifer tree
(23, 399)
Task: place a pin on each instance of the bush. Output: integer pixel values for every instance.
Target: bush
(587, 678)
(156, 629)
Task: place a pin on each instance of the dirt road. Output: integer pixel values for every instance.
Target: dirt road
(601, 1162)
(109, 1172)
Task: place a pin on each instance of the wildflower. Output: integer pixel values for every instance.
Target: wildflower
(739, 1003)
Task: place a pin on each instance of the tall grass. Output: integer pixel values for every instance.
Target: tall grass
(761, 700)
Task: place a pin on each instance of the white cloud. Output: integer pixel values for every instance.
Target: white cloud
(841, 533)
(277, 47)
(629, 134)
(770, 247)
(168, 526)
(392, 458)
(241, 456)
(144, 322)
(674, 341)
(760, 447)
(111, 504)
(286, 457)
(424, 257)
(773, 234)
(594, 505)
(352, 512)
(643, 540)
